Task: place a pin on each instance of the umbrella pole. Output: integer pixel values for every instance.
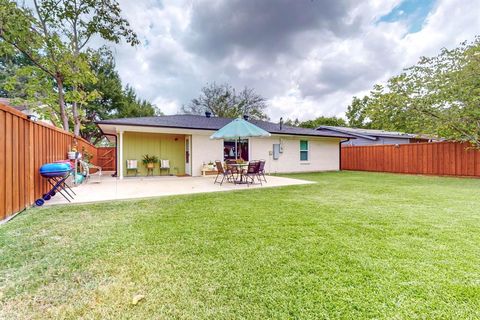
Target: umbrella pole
(236, 149)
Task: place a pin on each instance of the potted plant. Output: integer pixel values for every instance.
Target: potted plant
(72, 154)
(211, 165)
(149, 161)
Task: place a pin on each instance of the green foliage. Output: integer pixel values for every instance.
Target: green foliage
(114, 101)
(52, 34)
(23, 33)
(132, 106)
(146, 159)
(323, 121)
(356, 113)
(439, 96)
(224, 101)
(292, 123)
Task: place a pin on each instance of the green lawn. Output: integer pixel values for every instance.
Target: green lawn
(354, 245)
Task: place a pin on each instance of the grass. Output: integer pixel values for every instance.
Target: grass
(352, 246)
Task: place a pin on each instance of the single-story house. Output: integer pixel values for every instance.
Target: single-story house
(185, 141)
(365, 137)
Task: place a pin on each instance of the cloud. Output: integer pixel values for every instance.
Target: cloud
(307, 57)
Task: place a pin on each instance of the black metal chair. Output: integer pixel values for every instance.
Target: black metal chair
(225, 173)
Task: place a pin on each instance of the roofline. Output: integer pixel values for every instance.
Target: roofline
(206, 129)
(347, 132)
(370, 136)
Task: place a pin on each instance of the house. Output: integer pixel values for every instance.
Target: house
(185, 141)
(366, 137)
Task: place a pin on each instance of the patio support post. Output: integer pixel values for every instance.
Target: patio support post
(120, 155)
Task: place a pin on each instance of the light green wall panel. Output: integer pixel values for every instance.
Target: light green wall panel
(164, 146)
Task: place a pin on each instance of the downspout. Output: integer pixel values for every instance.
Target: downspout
(340, 153)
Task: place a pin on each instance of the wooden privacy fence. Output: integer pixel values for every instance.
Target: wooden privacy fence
(436, 158)
(106, 158)
(24, 146)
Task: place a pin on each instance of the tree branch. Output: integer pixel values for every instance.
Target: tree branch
(29, 56)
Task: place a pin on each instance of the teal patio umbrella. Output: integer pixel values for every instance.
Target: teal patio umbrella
(239, 129)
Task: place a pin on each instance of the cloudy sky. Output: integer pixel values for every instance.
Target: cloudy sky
(307, 57)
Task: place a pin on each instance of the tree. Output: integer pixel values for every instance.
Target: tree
(323, 121)
(21, 32)
(439, 96)
(292, 123)
(52, 36)
(356, 113)
(78, 21)
(114, 101)
(133, 107)
(224, 101)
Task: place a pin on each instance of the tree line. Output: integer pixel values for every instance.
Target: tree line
(47, 64)
(439, 96)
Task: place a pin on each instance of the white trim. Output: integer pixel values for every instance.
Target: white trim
(188, 166)
(120, 153)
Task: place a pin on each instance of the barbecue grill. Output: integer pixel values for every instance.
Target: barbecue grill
(56, 174)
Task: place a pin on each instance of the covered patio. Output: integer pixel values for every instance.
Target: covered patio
(109, 188)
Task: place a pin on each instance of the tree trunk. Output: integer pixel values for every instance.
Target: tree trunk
(76, 117)
(61, 103)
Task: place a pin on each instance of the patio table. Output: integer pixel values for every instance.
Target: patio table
(241, 168)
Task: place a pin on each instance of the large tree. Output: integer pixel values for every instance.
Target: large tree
(224, 101)
(439, 95)
(114, 100)
(53, 35)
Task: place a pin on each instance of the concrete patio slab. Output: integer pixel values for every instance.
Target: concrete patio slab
(108, 188)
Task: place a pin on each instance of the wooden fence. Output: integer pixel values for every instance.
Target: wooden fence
(24, 146)
(437, 158)
(106, 158)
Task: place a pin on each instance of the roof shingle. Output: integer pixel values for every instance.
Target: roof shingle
(186, 121)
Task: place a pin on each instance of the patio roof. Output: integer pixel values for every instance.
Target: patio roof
(197, 122)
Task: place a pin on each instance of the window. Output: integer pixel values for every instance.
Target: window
(303, 150)
(235, 149)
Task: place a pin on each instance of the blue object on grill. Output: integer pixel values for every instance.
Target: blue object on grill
(55, 170)
(56, 174)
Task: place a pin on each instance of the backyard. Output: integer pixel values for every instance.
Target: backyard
(353, 245)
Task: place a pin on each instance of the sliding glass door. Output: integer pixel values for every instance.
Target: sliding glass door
(235, 149)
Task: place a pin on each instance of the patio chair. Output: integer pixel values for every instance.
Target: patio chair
(233, 169)
(261, 170)
(225, 173)
(132, 165)
(165, 165)
(252, 172)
